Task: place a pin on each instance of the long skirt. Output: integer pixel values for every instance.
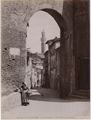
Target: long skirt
(23, 98)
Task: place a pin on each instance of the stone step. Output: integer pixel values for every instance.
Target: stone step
(80, 94)
(79, 97)
(85, 93)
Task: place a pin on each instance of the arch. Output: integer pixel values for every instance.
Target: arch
(64, 84)
(39, 22)
(58, 18)
(64, 88)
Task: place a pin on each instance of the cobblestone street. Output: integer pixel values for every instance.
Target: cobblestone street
(45, 103)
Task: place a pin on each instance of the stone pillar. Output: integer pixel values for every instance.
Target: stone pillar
(13, 47)
(67, 58)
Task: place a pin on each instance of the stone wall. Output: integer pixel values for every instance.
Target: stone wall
(67, 78)
(81, 43)
(13, 36)
(13, 67)
(76, 47)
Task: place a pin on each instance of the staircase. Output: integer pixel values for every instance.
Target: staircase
(81, 94)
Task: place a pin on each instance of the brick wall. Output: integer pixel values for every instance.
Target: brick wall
(13, 67)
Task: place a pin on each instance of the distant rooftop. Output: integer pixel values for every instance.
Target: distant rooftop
(52, 40)
(39, 55)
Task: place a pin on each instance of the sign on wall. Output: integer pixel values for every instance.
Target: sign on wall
(14, 51)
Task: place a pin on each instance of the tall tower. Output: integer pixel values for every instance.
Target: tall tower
(43, 40)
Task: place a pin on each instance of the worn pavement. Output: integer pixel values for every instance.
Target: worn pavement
(44, 103)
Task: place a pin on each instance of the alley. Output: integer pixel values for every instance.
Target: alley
(45, 103)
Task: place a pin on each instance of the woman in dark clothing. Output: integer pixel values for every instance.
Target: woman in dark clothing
(24, 91)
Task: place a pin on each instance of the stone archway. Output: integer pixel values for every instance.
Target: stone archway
(64, 88)
(14, 27)
(64, 84)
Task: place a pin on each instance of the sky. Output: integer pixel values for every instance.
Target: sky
(41, 21)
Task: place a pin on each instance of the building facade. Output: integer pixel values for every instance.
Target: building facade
(34, 70)
(46, 82)
(52, 65)
(28, 76)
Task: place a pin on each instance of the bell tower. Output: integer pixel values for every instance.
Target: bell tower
(43, 40)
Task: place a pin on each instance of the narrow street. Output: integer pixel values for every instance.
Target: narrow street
(45, 44)
(45, 103)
